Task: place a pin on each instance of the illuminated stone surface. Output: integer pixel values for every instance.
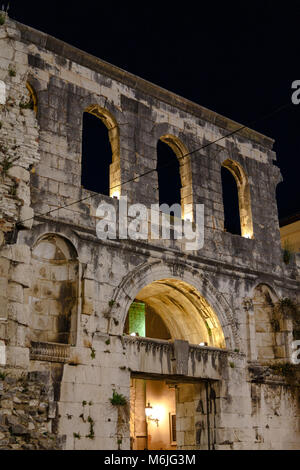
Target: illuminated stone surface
(65, 294)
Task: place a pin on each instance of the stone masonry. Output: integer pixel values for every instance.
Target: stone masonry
(65, 294)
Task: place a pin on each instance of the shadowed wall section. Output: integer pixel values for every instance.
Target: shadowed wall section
(54, 291)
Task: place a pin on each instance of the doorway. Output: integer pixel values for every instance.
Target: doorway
(152, 415)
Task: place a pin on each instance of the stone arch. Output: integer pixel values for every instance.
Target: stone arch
(32, 237)
(54, 290)
(110, 122)
(176, 140)
(177, 307)
(113, 129)
(268, 324)
(147, 273)
(33, 102)
(185, 169)
(244, 198)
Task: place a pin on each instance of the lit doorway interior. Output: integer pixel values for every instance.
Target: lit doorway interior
(152, 415)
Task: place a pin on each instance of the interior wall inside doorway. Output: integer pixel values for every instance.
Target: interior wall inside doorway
(158, 432)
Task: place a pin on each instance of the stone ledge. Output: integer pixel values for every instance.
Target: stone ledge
(50, 352)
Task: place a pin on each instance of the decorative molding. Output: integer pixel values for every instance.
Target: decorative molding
(50, 352)
(150, 344)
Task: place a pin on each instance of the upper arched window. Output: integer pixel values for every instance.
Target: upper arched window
(236, 199)
(169, 183)
(100, 168)
(174, 174)
(30, 101)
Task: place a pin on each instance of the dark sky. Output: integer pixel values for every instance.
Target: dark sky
(236, 58)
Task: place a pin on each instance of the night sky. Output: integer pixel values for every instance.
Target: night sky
(236, 58)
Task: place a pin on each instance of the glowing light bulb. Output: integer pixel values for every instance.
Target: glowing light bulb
(148, 410)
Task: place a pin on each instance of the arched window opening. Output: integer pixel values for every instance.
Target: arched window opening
(175, 175)
(100, 169)
(232, 222)
(236, 199)
(29, 102)
(96, 155)
(54, 292)
(171, 309)
(169, 182)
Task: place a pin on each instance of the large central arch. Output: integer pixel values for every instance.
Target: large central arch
(177, 307)
(190, 284)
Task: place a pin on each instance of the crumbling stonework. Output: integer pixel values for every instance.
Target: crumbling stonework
(28, 412)
(65, 294)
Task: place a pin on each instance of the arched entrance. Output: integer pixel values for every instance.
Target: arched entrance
(197, 288)
(170, 412)
(173, 309)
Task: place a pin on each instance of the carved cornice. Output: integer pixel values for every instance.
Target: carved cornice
(50, 352)
(149, 344)
(160, 344)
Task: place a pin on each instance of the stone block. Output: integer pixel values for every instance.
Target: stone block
(7, 404)
(15, 292)
(19, 173)
(4, 266)
(17, 356)
(187, 423)
(23, 193)
(26, 217)
(21, 254)
(88, 288)
(18, 312)
(186, 394)
(22, 274)
(189, 438)
(88, 306)
(181, 353)
(17, 334)
(2, 92)
(3, 307)
(7, 51)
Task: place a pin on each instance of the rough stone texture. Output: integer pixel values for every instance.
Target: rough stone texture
(27, 412)
(87, 285)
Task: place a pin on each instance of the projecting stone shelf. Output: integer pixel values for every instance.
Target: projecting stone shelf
(51, 352)
(153, 356)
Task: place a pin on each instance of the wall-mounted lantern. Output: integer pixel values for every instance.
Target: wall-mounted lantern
(149, 412)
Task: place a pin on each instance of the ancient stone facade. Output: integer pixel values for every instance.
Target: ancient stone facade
(65, 294)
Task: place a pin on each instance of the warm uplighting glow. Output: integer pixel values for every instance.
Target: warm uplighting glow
(188, 213)
(154, 413)
(158, 413)
(247, 235)
(116, 194)
(202, 344)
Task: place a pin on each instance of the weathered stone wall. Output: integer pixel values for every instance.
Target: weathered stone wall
(109, 274)
(27, 413)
